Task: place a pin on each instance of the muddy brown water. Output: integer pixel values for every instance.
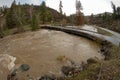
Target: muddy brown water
(46, 51)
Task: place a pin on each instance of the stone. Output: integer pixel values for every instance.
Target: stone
(91, 61)
(12, 75)
(46, 77)
(7, 61)
(24, 67)
(1, 36)
(67, 70)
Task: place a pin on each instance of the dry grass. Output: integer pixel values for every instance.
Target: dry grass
(62, 58)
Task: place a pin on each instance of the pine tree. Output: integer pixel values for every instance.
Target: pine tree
(10, 17)
(20, 18)
(49, 16)
(118, 12)
(114, 10)
(14, 17)
(31, 11)
(34, 22)
(43, 12)
(0, 10)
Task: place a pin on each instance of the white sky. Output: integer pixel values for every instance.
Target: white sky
(89, 6)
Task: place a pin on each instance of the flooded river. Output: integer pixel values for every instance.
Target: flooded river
(45, 51)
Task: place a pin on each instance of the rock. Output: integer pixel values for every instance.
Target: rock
(7, 61)
(91, 61)
(105, 49)
(67, 70)
(24, 67)
(30, 78)
(15, 73)
(12, 75)
(102, 50)
(60, 78)
(71, 71)
(1, 36)
(104, 42)
(46, 77)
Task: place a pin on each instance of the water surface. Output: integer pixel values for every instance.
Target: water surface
(42, 50)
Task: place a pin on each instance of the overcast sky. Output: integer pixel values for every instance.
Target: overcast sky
(89, 6)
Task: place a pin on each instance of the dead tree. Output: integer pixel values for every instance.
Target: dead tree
(79, 13)
(60, 7)
(31, 11)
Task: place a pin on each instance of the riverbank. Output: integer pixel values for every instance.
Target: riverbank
(109, 24)
(108, 69)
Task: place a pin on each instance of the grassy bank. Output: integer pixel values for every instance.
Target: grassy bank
(102, 70)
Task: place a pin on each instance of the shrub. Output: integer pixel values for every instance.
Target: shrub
(91, 61)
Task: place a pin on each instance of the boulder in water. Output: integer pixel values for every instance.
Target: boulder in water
(46, 77)
(24, 67)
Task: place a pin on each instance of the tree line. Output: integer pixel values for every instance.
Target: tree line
(111, 16)
(16, 17)
(107, 19)
(19, 15)
(116, 11)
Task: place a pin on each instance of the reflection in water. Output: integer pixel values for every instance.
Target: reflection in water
(41, 49)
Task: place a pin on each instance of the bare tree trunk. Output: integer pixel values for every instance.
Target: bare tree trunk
(20, 27)
(1, 27)
(31, 11)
